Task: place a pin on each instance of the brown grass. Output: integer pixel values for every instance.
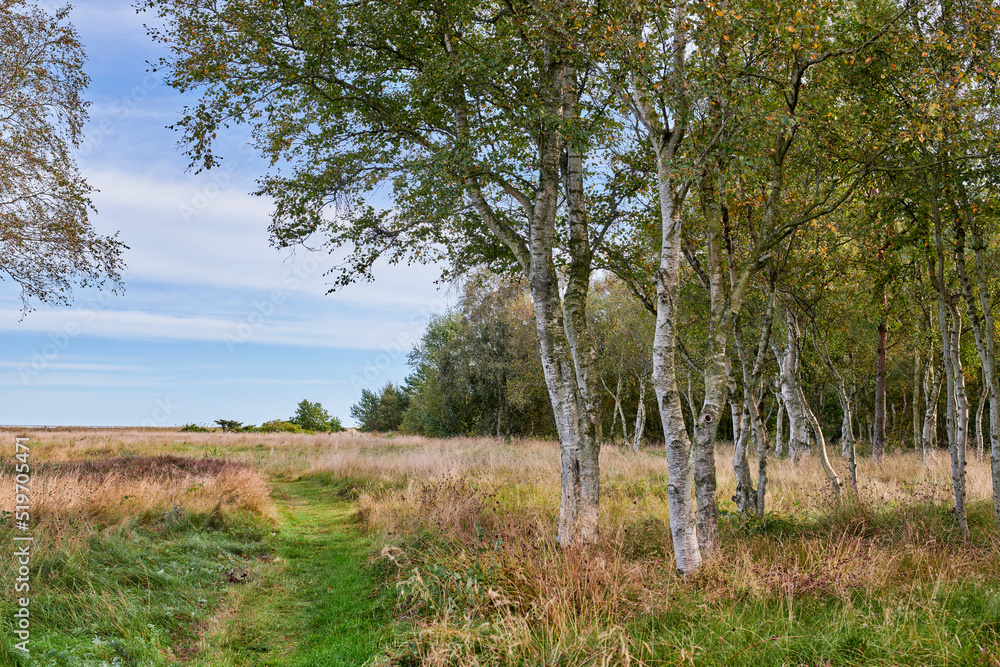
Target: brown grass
(490, 508)
(71, 498)
(467, 527)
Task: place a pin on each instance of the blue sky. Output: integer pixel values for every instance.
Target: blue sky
(214, 323)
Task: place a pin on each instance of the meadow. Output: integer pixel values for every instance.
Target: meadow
(157, 547)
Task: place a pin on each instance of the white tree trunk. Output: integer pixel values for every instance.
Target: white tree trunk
(932, 394)
(561, 320)
(614, 411)
(916, 400)
(980, 440)
(735, 406)
(950, 325)
(981, 317)
(747, 498)
(779, 427)
(791, 392)
(817, 430)
(640, 416)
(679, 450)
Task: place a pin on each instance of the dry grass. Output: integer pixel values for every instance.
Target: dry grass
(467, 530)
(470, 527)
(72, 499)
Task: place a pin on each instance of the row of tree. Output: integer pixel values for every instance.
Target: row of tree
(749, 170)
(476, 372)
(309, 417)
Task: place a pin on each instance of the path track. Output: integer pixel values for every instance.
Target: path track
(312, 606)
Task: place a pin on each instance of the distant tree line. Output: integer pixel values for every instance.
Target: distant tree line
(309, 417)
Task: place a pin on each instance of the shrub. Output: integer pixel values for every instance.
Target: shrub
(194, 428)
(279, 426)
(228, 425)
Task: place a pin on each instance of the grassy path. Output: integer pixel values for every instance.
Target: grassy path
(312, 606)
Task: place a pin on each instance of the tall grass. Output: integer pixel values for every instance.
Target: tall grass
(465, 530)
(468, 526)
(71, 501)
(129, 552)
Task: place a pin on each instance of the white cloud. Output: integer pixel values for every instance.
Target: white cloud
(74, 366)
(205, 230)
(368, 330)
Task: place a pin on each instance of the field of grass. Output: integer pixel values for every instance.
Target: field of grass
(155, 547)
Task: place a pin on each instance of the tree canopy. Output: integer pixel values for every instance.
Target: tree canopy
(804, 196)
(48, 243)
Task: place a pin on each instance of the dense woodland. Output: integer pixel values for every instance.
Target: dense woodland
(747, 213)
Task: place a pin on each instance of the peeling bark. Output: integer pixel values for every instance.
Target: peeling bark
(680, 453)
(665, 142)
(581, 347)
(566, 350)
(950, 325)
(983, 328)
(791, 392)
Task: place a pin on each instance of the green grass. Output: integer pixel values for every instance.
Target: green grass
(807, 604)
(137, 593)
(215, 590)
(954, 625)
(314, 607)
(945, 624)
(185, 589)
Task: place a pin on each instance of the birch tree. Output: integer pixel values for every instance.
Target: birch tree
(472, 118)
(48, 244)
(946, 95)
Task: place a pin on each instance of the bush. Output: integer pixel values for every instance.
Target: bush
(230, 425)
(312, 417)
(195, 428)
(279, 426)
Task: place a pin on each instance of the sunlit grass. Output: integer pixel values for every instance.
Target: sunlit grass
(463, 539)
